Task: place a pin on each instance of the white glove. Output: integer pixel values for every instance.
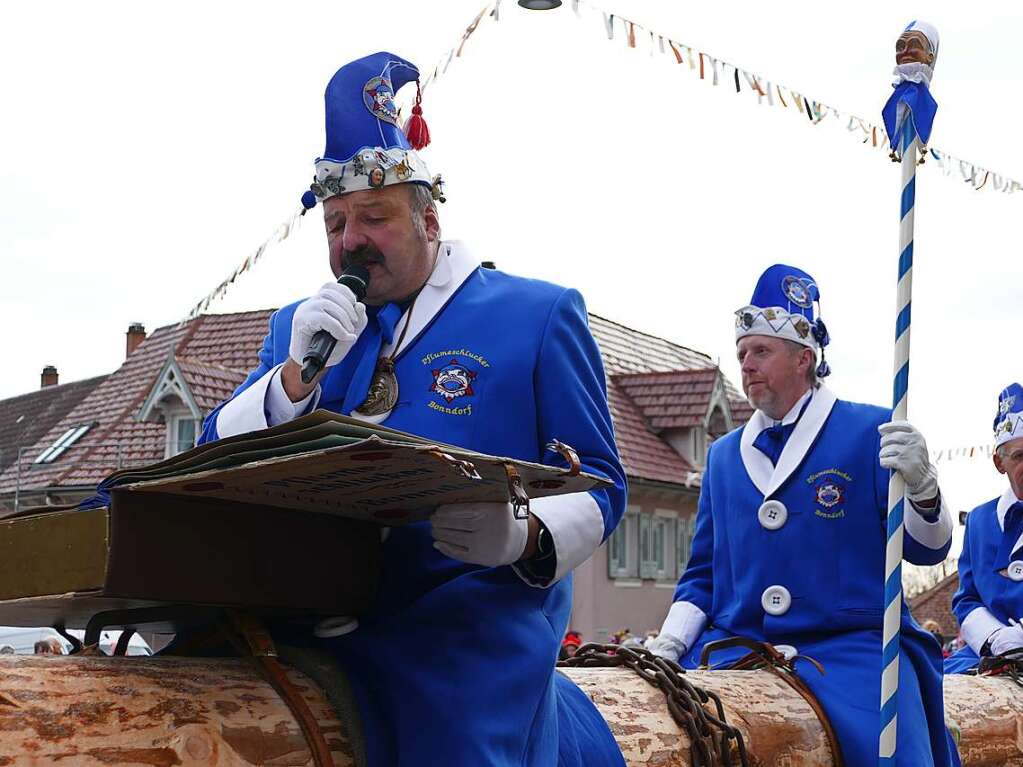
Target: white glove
(1005, 639)
(667, 646)
(334, 309)
(903, 449)
(479, 533)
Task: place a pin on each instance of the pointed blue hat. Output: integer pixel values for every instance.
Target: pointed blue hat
(1009, 419)
(782, 306)
(366, 147)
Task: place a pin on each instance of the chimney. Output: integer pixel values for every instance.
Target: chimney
(49, 377)
(136, 334)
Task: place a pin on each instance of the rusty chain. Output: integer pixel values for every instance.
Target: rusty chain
(709, 733)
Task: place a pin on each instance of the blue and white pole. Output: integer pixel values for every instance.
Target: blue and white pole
(908, 116)
(896, 485)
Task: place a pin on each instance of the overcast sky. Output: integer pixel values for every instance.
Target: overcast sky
(146, 150)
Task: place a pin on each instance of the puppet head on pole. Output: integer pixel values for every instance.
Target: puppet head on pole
(916, 53)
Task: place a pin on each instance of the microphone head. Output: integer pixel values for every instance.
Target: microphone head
(356, 279)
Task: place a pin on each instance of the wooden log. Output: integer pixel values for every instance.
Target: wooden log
(163, 712)
(988, 712)
(780, 728)
(157, 712)
(777, 724)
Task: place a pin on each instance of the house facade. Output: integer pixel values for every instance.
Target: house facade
(668, 403)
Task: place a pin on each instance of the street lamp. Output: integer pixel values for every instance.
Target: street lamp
(540, 5)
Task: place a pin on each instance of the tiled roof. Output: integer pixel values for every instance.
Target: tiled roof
(644, 455)
(671, 399)
(209, 383)
(26, 418)
(625, 350)
(215, 352)
(936, 604)
(742, 410)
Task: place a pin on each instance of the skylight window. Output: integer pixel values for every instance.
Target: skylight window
(66, 440)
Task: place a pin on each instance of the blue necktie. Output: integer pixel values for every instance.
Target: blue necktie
(379, 330)
(771, 441)
(1012, 530)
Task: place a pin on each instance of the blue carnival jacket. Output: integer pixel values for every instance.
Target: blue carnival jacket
(794, 555)
(455, 665)
(988, 596)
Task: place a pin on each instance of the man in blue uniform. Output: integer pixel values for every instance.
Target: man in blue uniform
(455, 663)
(989, 602)
(790, 533)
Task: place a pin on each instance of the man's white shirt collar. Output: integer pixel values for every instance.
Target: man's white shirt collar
(766, 477)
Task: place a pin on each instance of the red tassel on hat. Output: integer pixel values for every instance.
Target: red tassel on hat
(416, 129)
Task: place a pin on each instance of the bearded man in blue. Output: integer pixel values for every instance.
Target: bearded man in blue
(454, 665)
(790, 533)
(989, 602)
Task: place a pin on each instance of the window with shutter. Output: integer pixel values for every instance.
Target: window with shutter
(686, 528)
(622, 547)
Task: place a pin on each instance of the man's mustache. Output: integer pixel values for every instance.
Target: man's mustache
(361, 256)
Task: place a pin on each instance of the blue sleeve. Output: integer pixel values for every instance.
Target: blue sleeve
(571, 396)
(697, 584)
(266, 363)
(967, 598)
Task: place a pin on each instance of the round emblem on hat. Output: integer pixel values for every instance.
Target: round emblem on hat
(797, 292)
(378, 95)
(1015, 570)
(376, 177)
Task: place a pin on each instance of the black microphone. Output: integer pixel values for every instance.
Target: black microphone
(356, 279)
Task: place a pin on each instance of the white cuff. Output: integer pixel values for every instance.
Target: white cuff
(933, 535)
(251, 409)
(685, 621)
(576, 526)
(978, 626)
(279, 407)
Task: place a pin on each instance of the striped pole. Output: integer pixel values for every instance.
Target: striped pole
(896, 485)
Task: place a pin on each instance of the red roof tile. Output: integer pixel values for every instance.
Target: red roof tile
(644, 455)
(210, 384)
(671, 399)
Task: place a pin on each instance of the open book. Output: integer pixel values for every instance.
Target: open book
(331, 463)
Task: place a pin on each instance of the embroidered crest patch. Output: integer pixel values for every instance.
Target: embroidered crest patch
(829, 494)
(829, 488)
(453, 380)
(797, 292)
(378, 95)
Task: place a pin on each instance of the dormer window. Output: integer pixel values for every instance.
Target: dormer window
(182, 431)
(66, 440)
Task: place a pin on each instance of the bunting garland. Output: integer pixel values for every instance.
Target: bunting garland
(280, 234)
(816, 112)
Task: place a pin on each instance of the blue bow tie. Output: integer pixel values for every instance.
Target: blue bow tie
(1012, 530)
(771, 441)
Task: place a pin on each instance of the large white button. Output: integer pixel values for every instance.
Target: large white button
(1016, 570)
(772, 514)
(776, 600)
